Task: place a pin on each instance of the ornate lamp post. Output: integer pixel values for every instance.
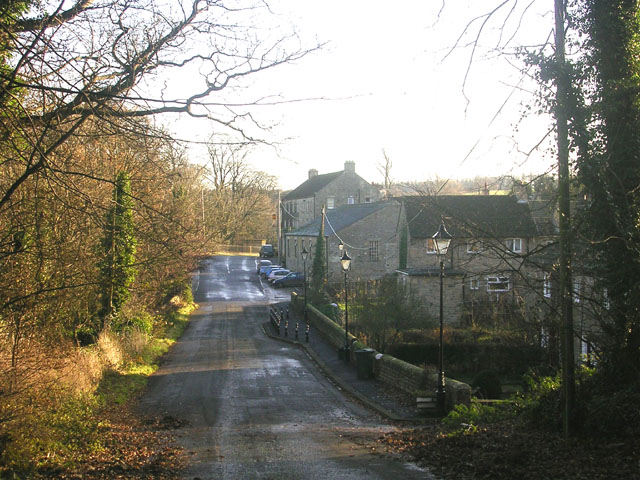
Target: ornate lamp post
(441, 240)
(345, 263)
(305, 255)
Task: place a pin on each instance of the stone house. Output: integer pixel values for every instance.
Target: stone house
(304, 204)
(487, 268)
(368, 231)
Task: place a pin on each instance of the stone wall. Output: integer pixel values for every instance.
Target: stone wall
(427, 289)
(380, 227)
(395, 373)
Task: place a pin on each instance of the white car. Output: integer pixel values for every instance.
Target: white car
(278, 273)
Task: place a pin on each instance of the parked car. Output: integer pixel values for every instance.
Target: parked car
(294, 279)
(267, 251)
(262, 263)
(268, 269)
(277, 273)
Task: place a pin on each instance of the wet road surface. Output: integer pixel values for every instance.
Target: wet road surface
(255, 408)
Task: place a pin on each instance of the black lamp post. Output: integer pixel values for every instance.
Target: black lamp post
(345, 263)
(441, 240)
(305, 255)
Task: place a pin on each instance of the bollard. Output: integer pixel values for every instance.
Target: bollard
(286, 328)
(306, 334)
(282, 313)
(287, 311)
(296, 330)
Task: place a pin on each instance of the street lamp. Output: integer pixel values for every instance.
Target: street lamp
(441, 240)
(345, 263)
(305, 255)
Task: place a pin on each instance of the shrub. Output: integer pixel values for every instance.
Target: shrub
(486, 384)
(467, 419)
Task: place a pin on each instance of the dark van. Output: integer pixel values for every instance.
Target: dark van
(267, 251)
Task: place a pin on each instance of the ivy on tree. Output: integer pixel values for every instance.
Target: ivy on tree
(117, 271)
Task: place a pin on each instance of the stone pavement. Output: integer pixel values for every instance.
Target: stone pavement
(389, 402)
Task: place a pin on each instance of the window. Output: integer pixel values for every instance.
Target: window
(544, 337)
(514, 245)
(331, 203)
(576, 291)
(474, 284)
(497, 284)
(374, 250)
(473, 246)
(302, 245)
(351, 200)
(367, 199)
(546, 285)
(431, 246)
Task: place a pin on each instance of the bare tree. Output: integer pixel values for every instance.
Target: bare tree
(100, 58)
(385, 169)
(239, 204)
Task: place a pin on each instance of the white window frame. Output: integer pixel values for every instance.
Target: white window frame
(374, 250)
(473, 247)
(331, 203)
(351, 200)
(546, 285)
(544, 337)
(430, 247)
(576, 290)
(514, 245)
(498, 280)
(474, 284)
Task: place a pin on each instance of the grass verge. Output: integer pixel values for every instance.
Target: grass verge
(64, 426)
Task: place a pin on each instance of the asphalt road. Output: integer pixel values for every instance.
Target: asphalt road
(250, 407)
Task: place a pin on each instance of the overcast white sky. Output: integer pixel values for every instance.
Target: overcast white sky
(392, 89)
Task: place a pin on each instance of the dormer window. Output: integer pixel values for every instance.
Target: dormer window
(514, 245)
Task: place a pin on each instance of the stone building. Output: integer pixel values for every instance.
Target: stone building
(304, 204)
(368, 231)
(487, 268)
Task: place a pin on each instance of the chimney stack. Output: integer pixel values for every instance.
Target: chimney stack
(349, 167)
(313, 173)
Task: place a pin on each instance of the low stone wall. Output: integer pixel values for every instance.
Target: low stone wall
(396, 373)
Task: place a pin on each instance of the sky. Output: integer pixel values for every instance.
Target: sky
(388, 79)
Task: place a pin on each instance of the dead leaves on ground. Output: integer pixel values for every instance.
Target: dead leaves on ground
(135, 448)
(507, 450)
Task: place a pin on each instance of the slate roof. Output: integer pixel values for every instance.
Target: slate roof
(311, 186)
(340, 218)
(470, 216)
